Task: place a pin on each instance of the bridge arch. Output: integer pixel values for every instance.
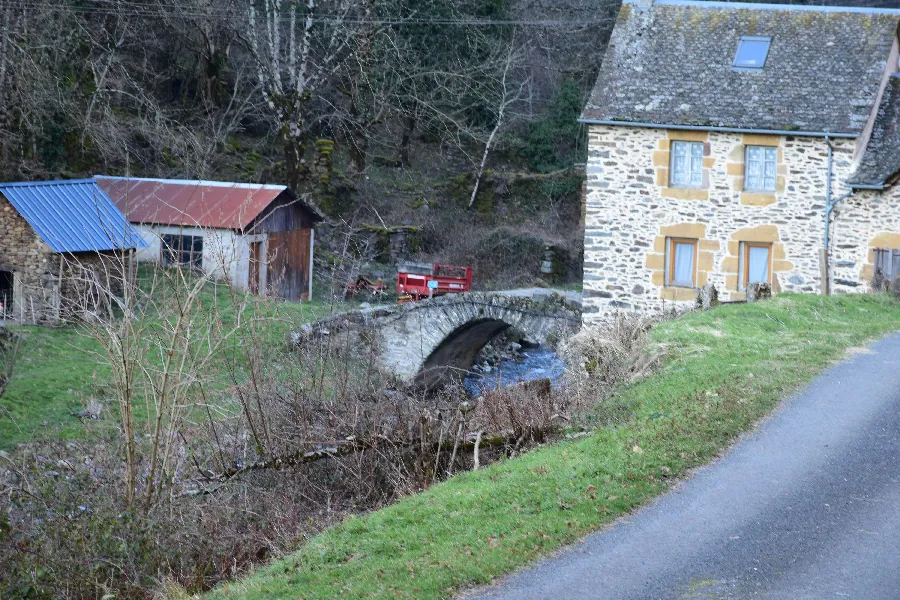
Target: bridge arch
(429, 341)
(456, 353)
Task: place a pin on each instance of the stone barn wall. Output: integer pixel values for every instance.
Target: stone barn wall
(36, 272)
(29, 258)
(631, 210)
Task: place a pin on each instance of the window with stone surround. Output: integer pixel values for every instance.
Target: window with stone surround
(681, 262)
(756, 263)
(686, 168)
(182, 250)
(760, 168)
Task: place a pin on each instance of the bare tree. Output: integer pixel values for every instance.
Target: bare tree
(161, 334)
(507, 98)
(295, 54)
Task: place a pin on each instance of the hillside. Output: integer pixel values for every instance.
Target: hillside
(384, 113)
(455, 119)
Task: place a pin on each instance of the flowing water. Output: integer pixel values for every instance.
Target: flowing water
(534, 363)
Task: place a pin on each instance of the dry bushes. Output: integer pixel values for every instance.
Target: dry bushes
(68, 533)
(882, 283)
(527, 413)
(297, 441)
(600, 358)
(9, 350)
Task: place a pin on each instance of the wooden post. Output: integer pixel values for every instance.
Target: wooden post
(823, 272)
(59, 287)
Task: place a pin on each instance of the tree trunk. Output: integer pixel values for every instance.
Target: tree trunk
(358, 139)
(295, 172)
(409, 126)
(357, 152)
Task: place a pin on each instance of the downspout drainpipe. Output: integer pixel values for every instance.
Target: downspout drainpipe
(829, 207)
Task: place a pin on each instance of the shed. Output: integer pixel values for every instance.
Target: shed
(259, 237)
(59, 242)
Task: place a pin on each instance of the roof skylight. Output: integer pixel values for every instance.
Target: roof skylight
(751, 53)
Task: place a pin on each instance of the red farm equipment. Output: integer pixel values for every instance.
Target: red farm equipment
(418, 281)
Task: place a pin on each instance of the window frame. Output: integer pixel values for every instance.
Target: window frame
(171, 255)
(689, 166)
(743, 280)
(752, 39)
(763, 189)
(671, 243)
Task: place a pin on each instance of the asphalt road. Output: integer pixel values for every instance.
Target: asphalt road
(805, 507)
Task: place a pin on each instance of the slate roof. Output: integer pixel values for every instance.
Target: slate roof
(670, 64)
(193, 203)
(881, 158)
(72, 216)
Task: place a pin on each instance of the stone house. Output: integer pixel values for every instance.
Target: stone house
(258, 237)
(64, 248)
(734, 143)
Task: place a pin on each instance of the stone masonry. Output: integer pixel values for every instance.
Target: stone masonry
(29, 259)
(430, 341)
(36, 273)
(631, 210)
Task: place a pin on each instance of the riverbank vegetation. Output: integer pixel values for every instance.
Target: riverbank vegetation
(241, 449)
(724, 369)
(209, 439)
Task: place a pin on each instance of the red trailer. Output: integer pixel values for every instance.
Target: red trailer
(443, 279)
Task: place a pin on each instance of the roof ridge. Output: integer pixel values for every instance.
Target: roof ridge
(52, 182)
(199, 182)
(767, 6)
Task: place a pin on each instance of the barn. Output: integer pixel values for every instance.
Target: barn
(65, 250)
(258, 237)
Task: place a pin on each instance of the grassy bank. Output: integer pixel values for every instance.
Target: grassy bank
(59, 369)
(726, 369)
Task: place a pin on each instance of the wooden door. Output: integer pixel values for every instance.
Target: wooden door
(289, 263)
(6, 294)
(255, 257)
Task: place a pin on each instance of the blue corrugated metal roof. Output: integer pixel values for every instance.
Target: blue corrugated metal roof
(72, 216)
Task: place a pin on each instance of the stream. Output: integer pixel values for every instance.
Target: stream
(533, 363)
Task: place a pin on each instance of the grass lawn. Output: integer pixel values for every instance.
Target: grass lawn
(58, 371)
(726, 369)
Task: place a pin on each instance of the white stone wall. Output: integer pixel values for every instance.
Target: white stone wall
(226, 254)
(631, 209)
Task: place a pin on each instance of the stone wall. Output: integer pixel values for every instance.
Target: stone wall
(36, 273)
(631, 211)
(29, 258)
(90, 280)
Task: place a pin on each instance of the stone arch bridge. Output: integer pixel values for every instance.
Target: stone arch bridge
(429, 341)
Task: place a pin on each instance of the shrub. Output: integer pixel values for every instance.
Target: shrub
(600, 358)
(9, 350)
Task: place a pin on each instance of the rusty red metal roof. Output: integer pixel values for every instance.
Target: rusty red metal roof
(181, 202)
